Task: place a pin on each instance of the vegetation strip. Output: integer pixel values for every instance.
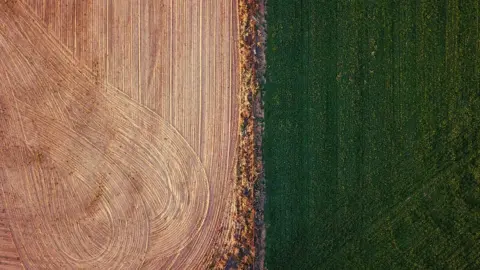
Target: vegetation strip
(246, 251)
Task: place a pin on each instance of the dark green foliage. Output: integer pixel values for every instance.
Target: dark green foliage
(372, 134)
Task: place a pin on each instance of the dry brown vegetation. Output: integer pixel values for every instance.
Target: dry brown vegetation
(118, 123)
(248, 234)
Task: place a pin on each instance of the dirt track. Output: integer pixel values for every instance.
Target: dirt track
(117, 132)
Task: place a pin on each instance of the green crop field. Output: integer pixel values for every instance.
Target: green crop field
(372, 139)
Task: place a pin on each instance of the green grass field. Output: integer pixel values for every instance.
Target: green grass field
(372, 140)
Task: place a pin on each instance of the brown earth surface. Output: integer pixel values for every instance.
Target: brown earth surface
(118, 127)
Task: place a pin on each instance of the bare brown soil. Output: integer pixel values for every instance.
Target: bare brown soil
(118, 123)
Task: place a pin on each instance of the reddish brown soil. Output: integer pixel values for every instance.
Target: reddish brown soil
(117, 133)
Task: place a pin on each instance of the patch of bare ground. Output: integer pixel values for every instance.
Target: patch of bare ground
(117, 132)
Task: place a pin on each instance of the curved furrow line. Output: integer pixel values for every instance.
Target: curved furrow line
(55, 159)
(218, 144)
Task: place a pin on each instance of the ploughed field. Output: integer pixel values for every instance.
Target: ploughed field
(371, 143)
(118, 125)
